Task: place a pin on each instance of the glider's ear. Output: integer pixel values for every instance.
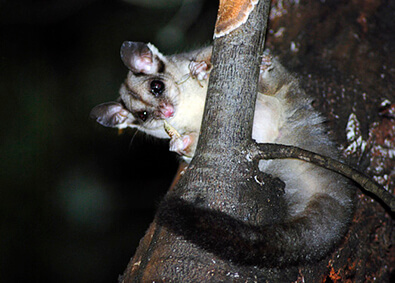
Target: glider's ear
(112, 114)
(141, 58)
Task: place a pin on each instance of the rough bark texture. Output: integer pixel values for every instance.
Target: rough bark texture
(343, 52)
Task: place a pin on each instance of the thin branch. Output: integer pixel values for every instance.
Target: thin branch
(279, 151)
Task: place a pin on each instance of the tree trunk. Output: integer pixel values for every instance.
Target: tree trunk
(343, 52)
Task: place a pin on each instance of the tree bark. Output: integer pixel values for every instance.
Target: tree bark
(220, 177)
(343, 52)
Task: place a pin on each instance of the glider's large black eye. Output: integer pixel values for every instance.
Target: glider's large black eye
(157, 87)
(143, 115)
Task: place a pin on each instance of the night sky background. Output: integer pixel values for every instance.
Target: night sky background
(76, 197)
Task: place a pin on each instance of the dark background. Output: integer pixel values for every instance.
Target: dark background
(76, 197)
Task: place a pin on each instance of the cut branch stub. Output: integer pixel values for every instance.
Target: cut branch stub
(232, 14)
